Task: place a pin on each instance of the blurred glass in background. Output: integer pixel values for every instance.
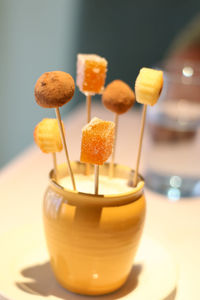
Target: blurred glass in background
(38, 36)
(173, 164)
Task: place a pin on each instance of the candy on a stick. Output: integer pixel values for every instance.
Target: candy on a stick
(148, 87)
(117, 97)
(52, 90)
(91, 76)
(47, 137)
(91, 73)
(97, 143)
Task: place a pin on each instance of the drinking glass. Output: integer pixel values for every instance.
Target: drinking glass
(173, 161)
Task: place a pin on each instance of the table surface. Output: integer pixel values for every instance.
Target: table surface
(175, 225)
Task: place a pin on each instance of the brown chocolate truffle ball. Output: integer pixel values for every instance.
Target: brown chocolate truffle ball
(54, 89)
(118, 97)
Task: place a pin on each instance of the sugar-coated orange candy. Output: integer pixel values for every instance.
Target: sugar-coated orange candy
(47, 136)
(97, 141)
(91, 73)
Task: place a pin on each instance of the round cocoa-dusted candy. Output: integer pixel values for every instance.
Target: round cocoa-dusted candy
(118, 97)
(54, 89)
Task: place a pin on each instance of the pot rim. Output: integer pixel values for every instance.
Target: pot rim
(82, 199)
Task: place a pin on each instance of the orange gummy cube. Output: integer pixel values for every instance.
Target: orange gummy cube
(91, 73)
(47, 136)
(97, 141)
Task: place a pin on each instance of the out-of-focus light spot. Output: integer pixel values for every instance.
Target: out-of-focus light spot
(95, 276)
(174, 194)
(196, 189)
(187, 71)
(175, 181)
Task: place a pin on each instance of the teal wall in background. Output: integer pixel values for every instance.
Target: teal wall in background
(132, 33)
(35, 37)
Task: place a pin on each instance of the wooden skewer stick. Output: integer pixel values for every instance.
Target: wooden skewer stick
(55, 165)
(111, 166)
(88, 103)
(140, 144)
(65, 147)
(96, 179)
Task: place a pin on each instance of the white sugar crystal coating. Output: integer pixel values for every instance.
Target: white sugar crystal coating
(80, 70)
(107, 186)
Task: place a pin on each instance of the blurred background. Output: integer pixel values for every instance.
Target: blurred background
(38, 36)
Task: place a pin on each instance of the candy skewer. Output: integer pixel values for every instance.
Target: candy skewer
(96, 145)
(53, 90)
(148, 86)
(96, 179)
(48, 139)
(91, 75)
(111, 165)
(140, 144)
(118, 97)
(65, 147)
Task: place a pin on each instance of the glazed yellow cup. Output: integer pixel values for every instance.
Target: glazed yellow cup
(92, 239)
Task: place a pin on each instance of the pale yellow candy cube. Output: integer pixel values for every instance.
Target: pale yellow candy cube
(47, 136)
(148, 86)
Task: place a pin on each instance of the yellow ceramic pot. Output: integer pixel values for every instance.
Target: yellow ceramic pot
(92, 239)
